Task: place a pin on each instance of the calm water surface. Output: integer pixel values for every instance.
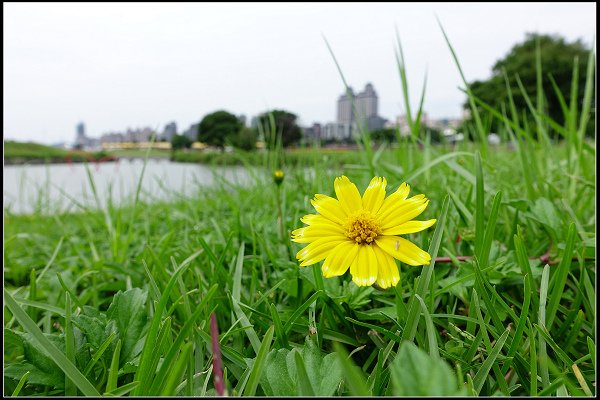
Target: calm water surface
(61, 187)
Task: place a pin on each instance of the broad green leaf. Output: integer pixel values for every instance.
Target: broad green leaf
(280, 377)
(131, 318)
(416, 373)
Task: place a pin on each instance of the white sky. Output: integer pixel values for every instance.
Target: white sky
(115, 66)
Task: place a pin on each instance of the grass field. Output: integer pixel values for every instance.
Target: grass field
(119, 301)
(28, 153)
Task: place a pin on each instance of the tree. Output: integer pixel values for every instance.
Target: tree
(285, 124)
(557, 60)
(387, 135)
(180, 142)
(218, 128)
(245, 139)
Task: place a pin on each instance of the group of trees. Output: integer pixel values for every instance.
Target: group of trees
(222, 128)
(558, 65)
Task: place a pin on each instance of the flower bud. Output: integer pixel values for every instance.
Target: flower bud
(278, 176)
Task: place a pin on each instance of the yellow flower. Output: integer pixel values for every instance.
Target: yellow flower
(361, 233)
(278, 176)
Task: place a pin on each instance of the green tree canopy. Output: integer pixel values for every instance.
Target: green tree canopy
(219, 128)
(245, 139)
(557, 60)
(285, 124)
(180, 142)
(387, 135)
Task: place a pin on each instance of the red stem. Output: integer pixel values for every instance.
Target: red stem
(217, 362)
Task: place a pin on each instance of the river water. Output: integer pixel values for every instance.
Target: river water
(57, 188)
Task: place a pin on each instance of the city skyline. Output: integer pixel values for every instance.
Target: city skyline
(62, 66)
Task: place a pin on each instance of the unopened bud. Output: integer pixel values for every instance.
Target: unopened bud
(278, 176)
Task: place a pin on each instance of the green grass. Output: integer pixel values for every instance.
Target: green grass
(119, 301)
(28, 152)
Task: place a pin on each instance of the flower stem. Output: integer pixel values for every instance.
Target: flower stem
(217, 362)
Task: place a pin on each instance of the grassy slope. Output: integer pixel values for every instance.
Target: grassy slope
(22, 152)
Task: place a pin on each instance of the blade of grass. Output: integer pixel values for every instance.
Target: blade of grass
(19, 386)
(288, 325)
(543, 356)
(484, 370)
(113, 372)
(560, 278)
(431, 336)
(70, 388)
(474, 109)
(143, 372)
(177, 371)
(259, 361)
(304, 386)
(412, 322)
(354, 378)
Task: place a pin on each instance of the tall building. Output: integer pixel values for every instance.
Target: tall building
(366, 102)
(364, 111)
(80, 129)
(169, 131)
(345, 114)
(81, 140)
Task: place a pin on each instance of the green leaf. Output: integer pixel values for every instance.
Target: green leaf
(131, 318)
(544, 212)
(416, 373)
(57, 355)
(281, 373)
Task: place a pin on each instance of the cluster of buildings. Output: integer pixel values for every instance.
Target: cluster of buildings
(354, 112)
(130, 136)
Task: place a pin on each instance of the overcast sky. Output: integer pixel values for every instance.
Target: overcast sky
(115, 66)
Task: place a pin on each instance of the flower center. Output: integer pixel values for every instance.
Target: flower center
(362, 227)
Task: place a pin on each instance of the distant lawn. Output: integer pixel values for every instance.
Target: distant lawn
(29, 152)
(140, 153)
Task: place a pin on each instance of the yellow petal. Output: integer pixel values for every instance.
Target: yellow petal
(387, 271)
(374, 195)
(364, 267)
(317, 251)
(398, 205)
(339, 259)
(329, 207)
(394, 199)
(407, 211)
(403, 250)
(319, 220)
(408, 227)
(312, 233)
(347, 194)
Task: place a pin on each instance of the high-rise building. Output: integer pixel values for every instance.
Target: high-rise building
(169, 131)
(349, 115)
(366, 102)
(345, 114)
(80, 129)
(80, 139)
